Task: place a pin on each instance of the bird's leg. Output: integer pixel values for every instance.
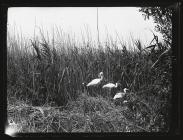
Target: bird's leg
(97, 91)
(87, 91)
(100, 91)
(108, 94)
(93, 90)
(90, 91)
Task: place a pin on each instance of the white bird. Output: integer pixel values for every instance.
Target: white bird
(97, 81)
(111, 85)
(120, 94)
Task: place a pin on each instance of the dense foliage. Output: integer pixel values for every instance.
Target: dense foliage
(162, 16)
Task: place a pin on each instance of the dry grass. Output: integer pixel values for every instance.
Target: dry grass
(86, 114)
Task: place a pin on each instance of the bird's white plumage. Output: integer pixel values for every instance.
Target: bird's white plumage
(119, 95)
(97, 81)
(94, 82)
(109, 85)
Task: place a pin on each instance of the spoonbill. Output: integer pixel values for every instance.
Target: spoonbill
(96, 82)
(93, 87)
(121, 94)
(111, 85)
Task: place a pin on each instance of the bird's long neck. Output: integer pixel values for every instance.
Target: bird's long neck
(124, 90)
(116, 85)
(101, 77)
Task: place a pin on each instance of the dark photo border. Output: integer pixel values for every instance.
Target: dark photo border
(176, 5)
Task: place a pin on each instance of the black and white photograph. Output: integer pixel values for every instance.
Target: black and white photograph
(89, 69)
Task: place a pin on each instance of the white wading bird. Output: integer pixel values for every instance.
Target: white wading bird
(120, 94)
(111, 85)
(96, 82)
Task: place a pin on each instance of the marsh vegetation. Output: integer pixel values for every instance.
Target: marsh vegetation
(45, 91)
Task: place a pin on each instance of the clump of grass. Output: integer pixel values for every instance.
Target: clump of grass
(86, 114)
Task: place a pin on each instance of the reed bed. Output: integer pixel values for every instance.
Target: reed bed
(45, 91)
